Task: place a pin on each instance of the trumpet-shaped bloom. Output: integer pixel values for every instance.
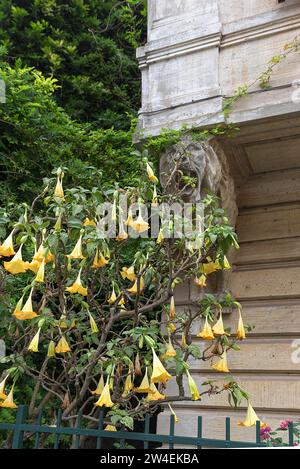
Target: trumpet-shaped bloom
(57, 226)
(159, 374)
(183, 340)
(123, 235)
(129, 220)
(222, 364)
(251, 418)
(201, 281)
(128, 272)
(17, 265)
(173, 413)
(151, 174)
(218, 328)
(59, 191)
(128, 386)
(241, 334)
(77, 251)
(99, 389)
(34, 344)
(172, 311)
(110, 428)
(99, 261)
(207, 332)
(77, 287)
(62, 346)
(7, 248)
(140, 225)
(89, 222)
(34, 266)
(193, 388)
(134, 289)
(2, 388)
(105, 398)
(170, 352)
(9, 401)
(113, 297)
(43, 254)
(144, 387)
(27, 311)
(51, 349)
(154, 394)
(93, 324)
(160, 237)
(40, 277)
(210, 267)
(224, 264)
(154, 198)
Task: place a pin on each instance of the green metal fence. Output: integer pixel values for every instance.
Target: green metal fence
(26, 434)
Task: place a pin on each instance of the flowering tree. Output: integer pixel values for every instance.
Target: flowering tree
(95, 323)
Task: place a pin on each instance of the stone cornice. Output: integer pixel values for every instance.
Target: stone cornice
(232, 34)
(149, 54)
(260, 26)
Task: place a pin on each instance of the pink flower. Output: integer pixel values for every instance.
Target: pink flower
(285, 425)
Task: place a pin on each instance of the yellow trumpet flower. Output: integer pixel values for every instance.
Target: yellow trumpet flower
(34, 266)
(59, 191)
(110, 428)
(241, 334)
(40, 255)
(27, 311)
(159, 374)
(77, 251)
(34, 344)
(7, 248)
(171, 327)
(151, 174)
(99, 261)
(193, 388)
(170, 352)
(128, 386)
(172, 311)
(93, 324)
(154, 198)
(77, 287)
(222, 364)
(62, 346)
(160, 237)
(113, 297)
(89, 222)
(57, 226)
(201, 281)
(218, 328)
(210, 267)
(140, 225)
(2, 388)
(17, 265)
(134, 289)
(207, 332)
(154, 394)
(9, 401)
(173, 413)
(251, 418)
(123, 235)
(41, 273)
(129, 220)
(99, 389)
(51, 349)
(105, 399)
(224, 265)
(128, 272)
(144, 387)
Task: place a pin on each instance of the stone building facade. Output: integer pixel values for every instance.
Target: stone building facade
(198, 52)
